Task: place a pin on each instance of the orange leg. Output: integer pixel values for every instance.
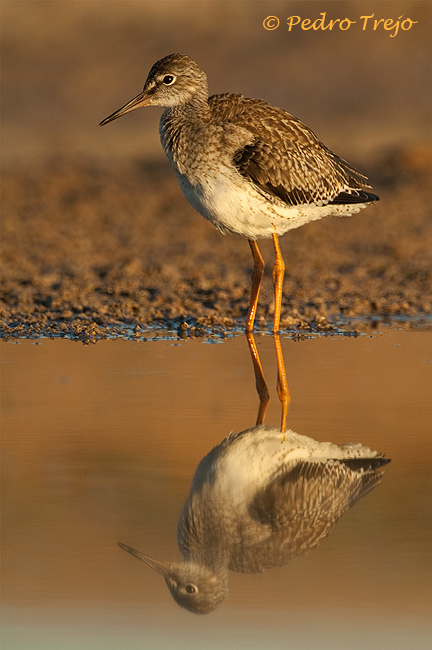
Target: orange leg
(257, 273)
(278, 275)
(260, 381)
(282, 383)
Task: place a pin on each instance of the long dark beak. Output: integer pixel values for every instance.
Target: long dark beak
(160, 567)
(142, 99)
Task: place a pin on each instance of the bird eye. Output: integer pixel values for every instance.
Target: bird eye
(168, 79)
(191, 589)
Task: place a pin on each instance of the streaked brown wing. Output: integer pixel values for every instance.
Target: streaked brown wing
(285, 159)
(300, 506)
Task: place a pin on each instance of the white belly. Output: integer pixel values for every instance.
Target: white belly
(234, 205)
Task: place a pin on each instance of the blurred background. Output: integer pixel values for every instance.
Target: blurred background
(95, 230)
(67, 65)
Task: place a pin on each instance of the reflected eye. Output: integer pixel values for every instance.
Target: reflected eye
(191, 589)
(169, 79)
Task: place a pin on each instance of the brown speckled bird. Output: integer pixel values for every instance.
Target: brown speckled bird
(257, 500)
(248, 167)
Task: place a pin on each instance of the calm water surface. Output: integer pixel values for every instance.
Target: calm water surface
(99, 445)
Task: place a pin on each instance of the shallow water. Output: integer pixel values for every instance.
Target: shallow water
(100, 444)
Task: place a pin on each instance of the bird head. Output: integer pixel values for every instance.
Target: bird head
(172, 81)
(193, 586)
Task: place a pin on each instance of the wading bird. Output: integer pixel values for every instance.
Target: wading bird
(248, 167)
(255, 503)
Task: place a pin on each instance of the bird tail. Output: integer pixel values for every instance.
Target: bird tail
(354, 196)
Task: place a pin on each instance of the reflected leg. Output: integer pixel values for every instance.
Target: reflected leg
(278, 276)
(257, 274)
(260, 381)
(282, 383)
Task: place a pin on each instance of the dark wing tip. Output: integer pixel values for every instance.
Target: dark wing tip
(365, 464)
(354, 196)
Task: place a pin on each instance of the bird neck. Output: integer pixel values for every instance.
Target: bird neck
(200, 536)
(177, 125)
(196, 109)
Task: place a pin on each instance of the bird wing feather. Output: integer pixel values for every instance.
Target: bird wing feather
(299, 507)
(284, 159)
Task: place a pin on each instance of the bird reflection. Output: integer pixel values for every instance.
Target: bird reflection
(258, 499)
(260, 382)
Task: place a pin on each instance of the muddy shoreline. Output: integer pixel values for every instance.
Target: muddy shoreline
(92, 249)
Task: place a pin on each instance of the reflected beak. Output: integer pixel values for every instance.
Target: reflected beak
(142, 99)
(160, 567)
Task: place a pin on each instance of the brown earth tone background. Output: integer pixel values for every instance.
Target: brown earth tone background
(96, 236)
